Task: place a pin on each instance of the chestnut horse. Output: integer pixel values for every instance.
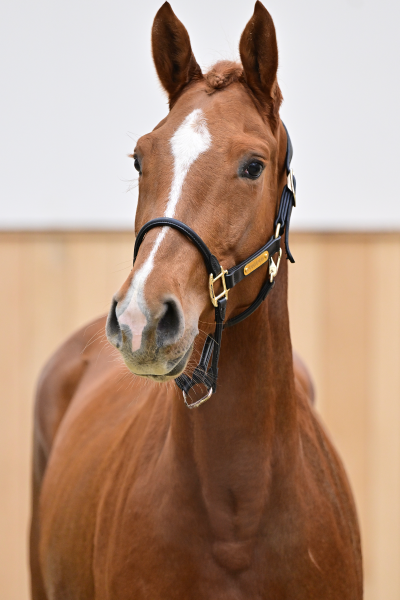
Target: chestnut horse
(135, 496)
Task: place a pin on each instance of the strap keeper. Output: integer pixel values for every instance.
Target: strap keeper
(291, 185)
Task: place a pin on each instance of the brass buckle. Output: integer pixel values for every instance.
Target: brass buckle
(274, 268)
(212, 280)
(290, 184)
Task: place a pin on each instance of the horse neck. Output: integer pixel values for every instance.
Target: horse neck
(248, 428)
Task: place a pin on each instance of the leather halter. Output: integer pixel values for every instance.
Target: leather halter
(203, 374)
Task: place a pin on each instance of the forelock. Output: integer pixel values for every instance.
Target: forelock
(223, 74)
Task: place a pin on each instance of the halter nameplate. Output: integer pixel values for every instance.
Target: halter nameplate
(257, 262)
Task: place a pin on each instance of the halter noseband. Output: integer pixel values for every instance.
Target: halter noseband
(203, 374)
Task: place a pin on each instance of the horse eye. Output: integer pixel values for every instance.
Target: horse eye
(253, 170)
(137, 165)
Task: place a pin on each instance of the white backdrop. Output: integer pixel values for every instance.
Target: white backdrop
(78, 86)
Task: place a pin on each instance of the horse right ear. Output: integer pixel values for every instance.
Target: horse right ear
(172, 53)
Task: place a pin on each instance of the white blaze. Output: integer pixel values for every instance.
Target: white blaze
(191, 139)
(188, 142)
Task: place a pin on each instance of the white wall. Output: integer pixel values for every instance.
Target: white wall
(78, 86)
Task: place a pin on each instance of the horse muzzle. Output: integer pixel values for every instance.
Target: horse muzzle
(154, 343)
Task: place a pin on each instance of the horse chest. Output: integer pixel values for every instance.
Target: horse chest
(148, 534)
(168, 549)
(135, 524)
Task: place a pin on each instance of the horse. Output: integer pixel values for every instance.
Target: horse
(137, 494)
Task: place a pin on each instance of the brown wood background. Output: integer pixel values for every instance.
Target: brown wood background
(345, 316)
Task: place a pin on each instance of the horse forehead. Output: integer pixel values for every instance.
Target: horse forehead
(191, 138)
(185, 131)
(199, 123)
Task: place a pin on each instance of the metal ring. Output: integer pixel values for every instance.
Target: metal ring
(198, 402)
(277, 230)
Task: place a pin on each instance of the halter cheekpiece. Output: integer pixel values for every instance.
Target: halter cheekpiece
(203, 373)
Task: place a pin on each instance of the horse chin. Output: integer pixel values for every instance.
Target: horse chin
(173, 368)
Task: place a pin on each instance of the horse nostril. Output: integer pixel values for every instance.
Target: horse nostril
(171, 324)
(113, 330)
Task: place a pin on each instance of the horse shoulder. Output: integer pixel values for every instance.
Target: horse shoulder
(327, 485)
(59, 381)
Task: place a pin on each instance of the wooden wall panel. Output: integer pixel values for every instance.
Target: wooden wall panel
(383, 528)
(344, 298)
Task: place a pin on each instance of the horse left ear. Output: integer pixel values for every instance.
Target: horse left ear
(259, 55)
(172, 53)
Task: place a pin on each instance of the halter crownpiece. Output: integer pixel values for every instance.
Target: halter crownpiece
(203, 374)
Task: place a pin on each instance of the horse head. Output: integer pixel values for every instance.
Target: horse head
(216, 163)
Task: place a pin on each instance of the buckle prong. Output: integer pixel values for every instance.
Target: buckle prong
(212, 280)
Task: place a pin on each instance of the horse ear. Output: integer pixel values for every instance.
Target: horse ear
(259, 55)
(172, 53)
